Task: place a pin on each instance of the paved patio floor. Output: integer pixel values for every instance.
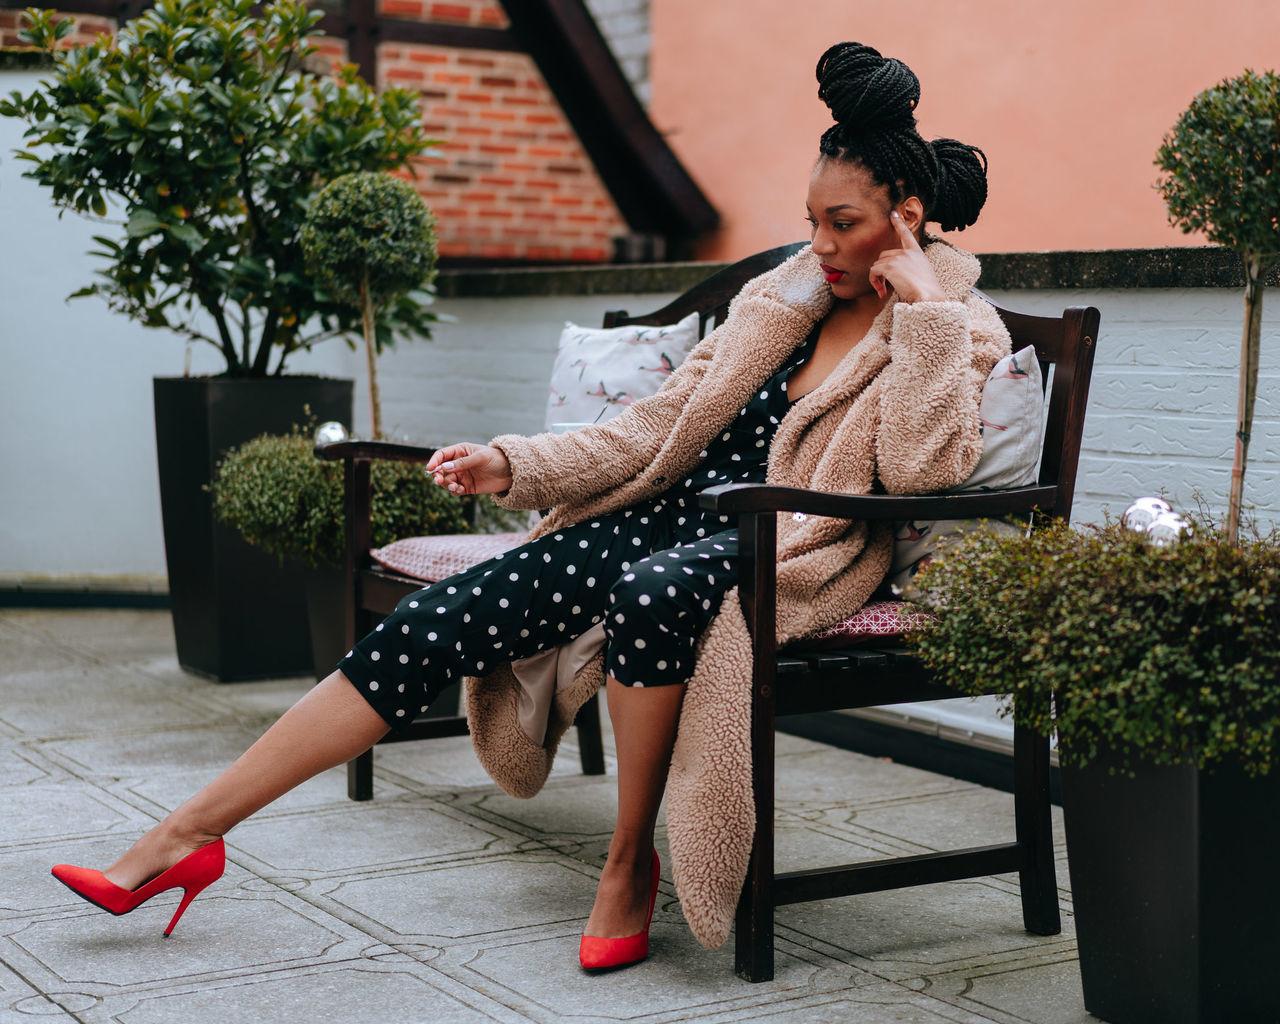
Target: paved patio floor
(444, 901)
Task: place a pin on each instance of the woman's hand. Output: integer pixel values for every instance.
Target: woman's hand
(470, 469)
(905, 270)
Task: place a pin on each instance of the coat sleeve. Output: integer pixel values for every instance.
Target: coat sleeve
(929, 438)
(552, 469)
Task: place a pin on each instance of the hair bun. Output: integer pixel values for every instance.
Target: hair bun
(962, 184)
(865, 91)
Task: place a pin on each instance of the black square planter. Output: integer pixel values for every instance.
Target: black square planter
(1176, 892)
(237, 612)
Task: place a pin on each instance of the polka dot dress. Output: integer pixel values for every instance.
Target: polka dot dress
(653, 574)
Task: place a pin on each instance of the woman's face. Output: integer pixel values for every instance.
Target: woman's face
(849, 215)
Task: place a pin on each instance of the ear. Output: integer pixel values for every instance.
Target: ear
(912, 212)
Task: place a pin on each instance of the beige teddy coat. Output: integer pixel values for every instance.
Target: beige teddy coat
(901, 408)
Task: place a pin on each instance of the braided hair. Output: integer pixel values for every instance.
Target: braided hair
(873, 100)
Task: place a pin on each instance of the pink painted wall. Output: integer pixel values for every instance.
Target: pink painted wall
(1069, 100)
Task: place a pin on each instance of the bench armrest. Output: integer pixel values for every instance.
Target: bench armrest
(394, 451)
(736, 499)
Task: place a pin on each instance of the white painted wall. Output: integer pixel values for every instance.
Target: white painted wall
(77, 455)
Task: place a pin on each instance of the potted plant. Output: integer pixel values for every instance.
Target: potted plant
(281, 499)
(1162, 665)
(370, 240)
(1152, 648)
(199, 136)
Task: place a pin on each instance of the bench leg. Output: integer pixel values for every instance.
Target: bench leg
(360, 776)
(1037, 876)
(590, 739)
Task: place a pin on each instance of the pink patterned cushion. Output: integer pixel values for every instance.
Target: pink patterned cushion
(875, 621)
(434, 558)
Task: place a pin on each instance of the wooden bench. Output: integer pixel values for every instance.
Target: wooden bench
(800, 681)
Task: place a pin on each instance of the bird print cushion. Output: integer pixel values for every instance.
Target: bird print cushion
(600, 371)
(1012, 417)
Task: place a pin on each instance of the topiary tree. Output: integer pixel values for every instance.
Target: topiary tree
(1221, 165)
(370, 240)
(202, 133)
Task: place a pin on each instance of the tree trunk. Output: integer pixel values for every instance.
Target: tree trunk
(371, 355)
(1250, 355)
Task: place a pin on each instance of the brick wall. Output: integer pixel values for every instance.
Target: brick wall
(87, 27)
(625, 24)
(510, 180)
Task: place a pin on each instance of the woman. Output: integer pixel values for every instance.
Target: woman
(856, 365)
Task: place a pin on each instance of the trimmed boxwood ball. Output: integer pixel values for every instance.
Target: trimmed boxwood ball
(370, 241)
(1167, 653)
(284, 500)
(370, 230)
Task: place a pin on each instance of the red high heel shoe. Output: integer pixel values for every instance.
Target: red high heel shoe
(192, 874)
(597, 954)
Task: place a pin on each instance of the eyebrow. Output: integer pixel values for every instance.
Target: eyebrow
(839, 207)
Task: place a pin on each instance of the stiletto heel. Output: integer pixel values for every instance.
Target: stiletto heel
(193, 874)
(597, 954)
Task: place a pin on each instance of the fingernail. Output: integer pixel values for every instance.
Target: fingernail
(447, 466)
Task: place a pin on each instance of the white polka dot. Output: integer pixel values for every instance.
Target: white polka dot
(524, 632)
(503, 602)
(635, 541)
(570, 570)
(718, 547)
(759, 444)
(591, 581)
(559, 536)
(513, 577)
(466, 617)
(688, 571)
(524, 554)
(405, 630)
(440, 609)
(479, 666)
(426, 661)
(546, 557)
(373, 686)
(557, 598)
(493, 630)
(375, 656)
(622, 659)
(680, 521)
(618, 618)
(711, 472)
(671, 591)
(735, 457)
(404, 659)
(413, 604)
(759, 430)
(644, 599)
(639, 644)
(576, 609)
(706, 605)
(661, 665)
(764, 394)
(659, 568)
(432, 636)
(476, 591)
(629, 577)
(378, 628)
(400, 713)
(583, 544)
(626, 566)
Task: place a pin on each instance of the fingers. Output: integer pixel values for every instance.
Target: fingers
(904, 233)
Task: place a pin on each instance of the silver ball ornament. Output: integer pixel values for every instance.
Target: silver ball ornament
(1142, 513)
(328, 433)
(1167, 528)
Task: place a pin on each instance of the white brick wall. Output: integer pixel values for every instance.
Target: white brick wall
(625, 24)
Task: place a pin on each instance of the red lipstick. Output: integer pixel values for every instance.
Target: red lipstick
(831, 273)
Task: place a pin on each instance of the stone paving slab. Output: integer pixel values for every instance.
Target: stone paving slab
(444, 900)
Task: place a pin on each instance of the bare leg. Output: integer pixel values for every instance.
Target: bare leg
(644, 728)
(328, 726)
